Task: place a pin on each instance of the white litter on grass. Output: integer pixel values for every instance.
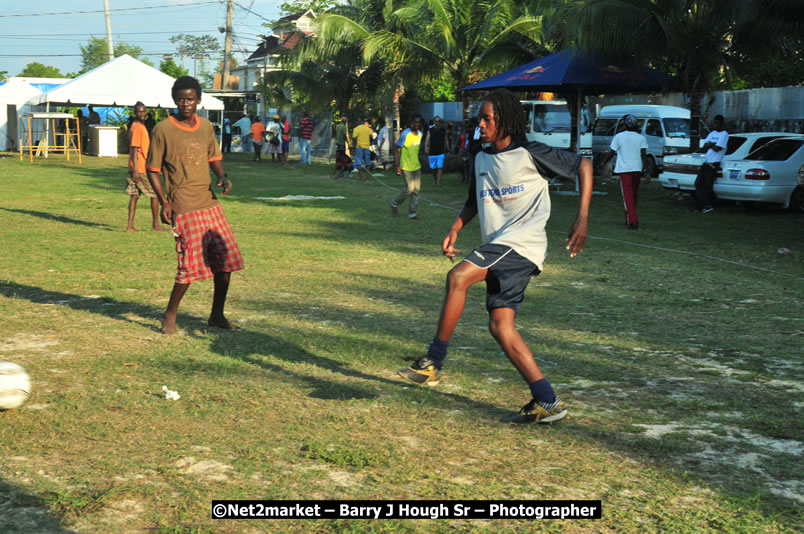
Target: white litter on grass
(171, 394)
(792, 489)
(300, 197)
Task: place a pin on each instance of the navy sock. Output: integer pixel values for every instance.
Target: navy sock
(542, 391)
(437, 351)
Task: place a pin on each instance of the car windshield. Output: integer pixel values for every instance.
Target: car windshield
(778, 150)
(677, 127)
(551, 118)
(604, 127)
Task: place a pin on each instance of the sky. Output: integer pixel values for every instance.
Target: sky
(51, 31)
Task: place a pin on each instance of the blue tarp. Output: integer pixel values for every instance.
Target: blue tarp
(569, 70)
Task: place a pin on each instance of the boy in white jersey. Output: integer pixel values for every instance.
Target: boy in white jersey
(509, 193)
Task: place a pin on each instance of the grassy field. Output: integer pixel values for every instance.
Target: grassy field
(678, 349)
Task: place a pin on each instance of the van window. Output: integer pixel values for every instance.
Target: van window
(621, 125)
(604, 127)
(677, 127)
(654, 128)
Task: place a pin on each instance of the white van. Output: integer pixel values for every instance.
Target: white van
(549, 122)
(667, 129)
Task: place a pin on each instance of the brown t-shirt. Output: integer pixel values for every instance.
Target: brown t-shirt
(183, 155)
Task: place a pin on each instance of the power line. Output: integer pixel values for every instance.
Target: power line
(172, 52)
(52, 35)
(244, 8)
(191, 4)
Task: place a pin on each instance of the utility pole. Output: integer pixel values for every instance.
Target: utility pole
(227, 49)
(109, 45)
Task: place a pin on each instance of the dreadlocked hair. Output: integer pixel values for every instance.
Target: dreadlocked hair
(507, 114)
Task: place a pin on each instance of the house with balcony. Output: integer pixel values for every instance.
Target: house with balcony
(286, 35)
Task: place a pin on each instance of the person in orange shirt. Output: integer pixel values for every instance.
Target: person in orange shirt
(137, 182)
(257, 131)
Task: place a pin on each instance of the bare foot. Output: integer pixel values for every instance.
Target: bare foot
(131, 229)
(160, 228)
(169, 325)
(222, 322)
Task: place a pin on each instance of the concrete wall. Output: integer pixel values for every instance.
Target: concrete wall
(449, 111)
(775, 109)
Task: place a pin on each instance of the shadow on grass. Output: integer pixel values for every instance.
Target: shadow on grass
(21, 511)
(57, 218)
(114, 309)
(251, 347)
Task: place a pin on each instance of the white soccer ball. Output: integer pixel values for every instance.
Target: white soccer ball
(15, 386)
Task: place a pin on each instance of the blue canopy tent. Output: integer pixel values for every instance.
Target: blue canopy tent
(575, 72)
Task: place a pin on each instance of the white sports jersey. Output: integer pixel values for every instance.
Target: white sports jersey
(510, 190)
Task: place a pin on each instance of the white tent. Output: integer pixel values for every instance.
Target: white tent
(120, 82)
(14, 97)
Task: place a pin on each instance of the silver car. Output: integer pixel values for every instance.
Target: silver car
(679, 171)
(769, 175)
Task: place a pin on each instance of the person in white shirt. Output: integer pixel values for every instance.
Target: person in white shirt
(383, 144)
(245, 132)
(509, 195)
(631, 148)
(715, 145)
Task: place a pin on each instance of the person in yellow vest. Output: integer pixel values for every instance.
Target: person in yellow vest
(407, 164)
(362, 141)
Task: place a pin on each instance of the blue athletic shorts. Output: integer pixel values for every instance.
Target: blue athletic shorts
(437, 162)
(508, 275)
(363, 157)
(285, 146)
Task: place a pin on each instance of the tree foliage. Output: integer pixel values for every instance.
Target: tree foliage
(363, 51)
(291, 7)
(190, 46)
(171, 68)
(694, 39)
(95, 54)
(39, 70)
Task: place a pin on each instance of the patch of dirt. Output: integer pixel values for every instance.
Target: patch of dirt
(738, 458)
(23, 342)
(209, 469)
(123, 513)
(410, 441)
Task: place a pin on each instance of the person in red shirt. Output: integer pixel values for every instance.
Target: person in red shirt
(137, 181)
(305, 136)
(285, 138)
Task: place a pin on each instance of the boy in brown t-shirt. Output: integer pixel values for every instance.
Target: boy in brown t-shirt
(183, 148)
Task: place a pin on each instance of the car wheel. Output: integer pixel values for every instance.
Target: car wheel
(652, 170)
(797, 200)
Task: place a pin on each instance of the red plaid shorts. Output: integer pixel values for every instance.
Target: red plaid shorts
(205, 245)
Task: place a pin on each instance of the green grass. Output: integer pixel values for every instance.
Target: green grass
(678, 349)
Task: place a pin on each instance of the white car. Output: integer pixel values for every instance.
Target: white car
(679, 171)
(769, 174)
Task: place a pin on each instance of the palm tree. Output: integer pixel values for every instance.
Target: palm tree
(694, 38)
(464, 39)
(351, 29)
